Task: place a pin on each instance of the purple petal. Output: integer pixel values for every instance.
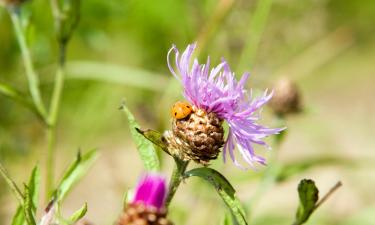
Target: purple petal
(151, 191)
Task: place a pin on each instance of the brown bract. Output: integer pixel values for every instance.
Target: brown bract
(138, 214)
(197, 137)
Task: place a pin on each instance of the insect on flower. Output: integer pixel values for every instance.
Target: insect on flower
(181, 110)
(216, 97)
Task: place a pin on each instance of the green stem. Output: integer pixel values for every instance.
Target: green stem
(176, 178)
(50, 169)
(52, 120)
(257, 25)
(57, 89)
(32, 77)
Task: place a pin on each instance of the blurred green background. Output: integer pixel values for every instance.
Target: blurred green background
(119, 53)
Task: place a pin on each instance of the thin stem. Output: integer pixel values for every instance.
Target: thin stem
(32, 77)
(329, 193)
(58, 87)
(52, 119)
(218, 16)
(176, 178)
(50, 169)
(257, 25)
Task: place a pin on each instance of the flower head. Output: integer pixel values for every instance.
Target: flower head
(148, 205)
(216, 91)
(151, 191)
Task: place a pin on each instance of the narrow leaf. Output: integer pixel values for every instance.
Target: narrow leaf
(19, 217)
(17, 96)
(145, 147)
(74, 173)
(224, 189)
(28, 207)
(12, 185)
(308, 197)
(79, 214)
(227, 220)
(117, 74)
(34, 184)
(155, 137)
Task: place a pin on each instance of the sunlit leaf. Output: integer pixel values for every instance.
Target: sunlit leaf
(19, 217)
(34, 185)
(227, 220)
(224, 189)
(79, 214)
(74, 173)
(308, 197)
(145, 147)
(155, 137)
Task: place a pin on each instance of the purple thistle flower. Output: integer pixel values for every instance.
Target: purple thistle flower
(217, 90)
(151, 191)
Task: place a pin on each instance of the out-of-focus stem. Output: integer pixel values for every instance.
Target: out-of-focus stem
(176, 178)
(257, 25)
(219, 14)
(58, 87)
(50, 161)
(52, 119)
(32, 77)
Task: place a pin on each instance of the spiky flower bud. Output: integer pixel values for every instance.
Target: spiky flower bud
(286, 98)
(147, 206)
(198, 137)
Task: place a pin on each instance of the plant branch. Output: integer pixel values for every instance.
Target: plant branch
(32, 77)
(176, 178)
(329, 193)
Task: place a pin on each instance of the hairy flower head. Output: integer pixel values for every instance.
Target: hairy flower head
(216, 90)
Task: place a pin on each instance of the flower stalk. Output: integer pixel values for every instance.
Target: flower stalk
(176, 178)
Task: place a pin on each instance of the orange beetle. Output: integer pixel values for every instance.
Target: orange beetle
(181, 110)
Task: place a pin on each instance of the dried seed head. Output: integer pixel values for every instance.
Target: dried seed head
(198, 137)
(286, 98)
(138, 214)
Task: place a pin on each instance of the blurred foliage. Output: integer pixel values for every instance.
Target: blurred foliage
(128, 39)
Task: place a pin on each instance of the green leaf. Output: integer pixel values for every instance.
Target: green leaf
(74, 173)
(308, 197)
(224, 189)
(145, 148)
(155, 137)
(28, 207)
(34, 184)
(227, 220)
(17, 96)
(19, 217)
(79, 214)
(117, 74)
